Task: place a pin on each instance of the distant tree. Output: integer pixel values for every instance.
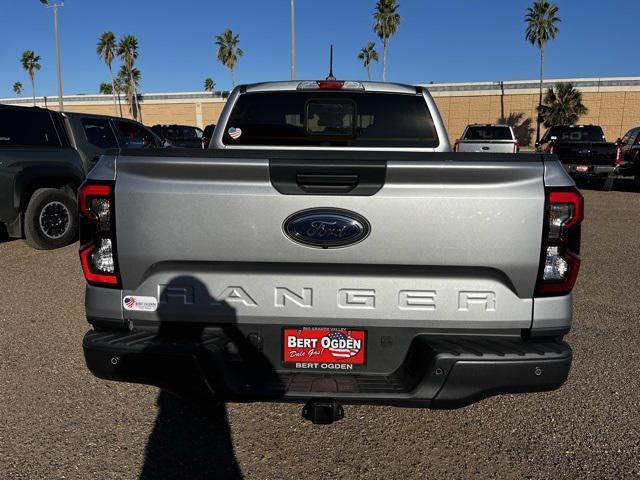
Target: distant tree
(562, 105)
(521, 128)
(127, 50)
(17, 88)
(128, 81)
(106, 88)
(31, 62)
(228, 51)
(386, 21)
(209, 85)
(541, 20)
(368, 54)
(106, 50)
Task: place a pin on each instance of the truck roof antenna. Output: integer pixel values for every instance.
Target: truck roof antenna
(330, 77)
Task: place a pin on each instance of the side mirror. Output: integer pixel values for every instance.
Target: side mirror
(166, 144)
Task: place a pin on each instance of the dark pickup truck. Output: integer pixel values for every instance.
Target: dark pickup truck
(44, 157)
(583, 151)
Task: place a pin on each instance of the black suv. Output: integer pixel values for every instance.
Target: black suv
(180, 135)
(44, 157)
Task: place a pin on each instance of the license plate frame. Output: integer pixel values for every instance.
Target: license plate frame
(345, 350)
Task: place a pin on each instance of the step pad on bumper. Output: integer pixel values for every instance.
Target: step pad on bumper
(438, 371)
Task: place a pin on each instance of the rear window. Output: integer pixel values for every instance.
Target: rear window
(27, 128)
(588, 133)
(99, 133)
(488, 132)
(332, 118)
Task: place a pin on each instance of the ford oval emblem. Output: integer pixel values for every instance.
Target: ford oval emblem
(326, 227)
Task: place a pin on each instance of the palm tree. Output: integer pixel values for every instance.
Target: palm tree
(521, 127)
(386, 22)
(562, 105)
(209, 84)
(17, 88)
(127, 50)
(106, 50)
(106, 89)
(228, 50)
(541, 19)
(368, 55)
(31, 62)
(127, 81)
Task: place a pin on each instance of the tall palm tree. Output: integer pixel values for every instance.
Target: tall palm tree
(31, 62)
(562, 105)
(368, 55)
(209, 84)
(106, 50)
(541, 20)
(17, 88)
(128, 81)
(127, 50)
(228, 51)
(386, 21)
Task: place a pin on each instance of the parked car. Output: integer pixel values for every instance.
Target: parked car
(629, 155)
(208, 133)
(329, 248)
(44, 157)
(583, 150)
(183, 136)
(487, 139)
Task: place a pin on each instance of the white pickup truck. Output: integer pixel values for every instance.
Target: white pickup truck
(486, 138)
(330, 249)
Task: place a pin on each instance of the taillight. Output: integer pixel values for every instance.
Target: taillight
(637, 142)
(205, 142)
(456, 146)
(97, 234)
(560, 261)
(618, 154)
(330, 85)
(516, 147)
(551, 148)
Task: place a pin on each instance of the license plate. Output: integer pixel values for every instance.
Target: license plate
(582, 168)
(317, 348)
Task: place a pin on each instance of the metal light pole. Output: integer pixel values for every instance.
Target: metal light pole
(55, 27)
(293, 41)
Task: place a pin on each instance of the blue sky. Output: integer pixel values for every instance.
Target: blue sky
(457, 40)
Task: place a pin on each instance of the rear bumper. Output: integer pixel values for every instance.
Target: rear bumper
(437, 372)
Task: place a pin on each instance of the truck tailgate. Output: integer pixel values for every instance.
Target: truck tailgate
(454, 240)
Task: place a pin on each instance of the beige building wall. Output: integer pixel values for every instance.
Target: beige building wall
(613, 103)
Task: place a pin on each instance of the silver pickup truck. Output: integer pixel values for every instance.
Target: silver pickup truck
(487, 139)
(330, 249)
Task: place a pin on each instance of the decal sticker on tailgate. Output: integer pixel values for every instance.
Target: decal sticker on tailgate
(323, 348)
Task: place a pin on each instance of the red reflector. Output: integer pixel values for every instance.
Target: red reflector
(330, 85)
(91, 276)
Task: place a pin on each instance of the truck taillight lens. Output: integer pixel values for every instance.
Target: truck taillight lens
(618, 154)
(516, 147)
(456, 146)
(561, 243)
(97, 234)
(551, 148)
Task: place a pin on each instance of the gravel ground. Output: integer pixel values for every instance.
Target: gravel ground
(57, 421)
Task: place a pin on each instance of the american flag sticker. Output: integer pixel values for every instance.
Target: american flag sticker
(235, 133)
(139, 303)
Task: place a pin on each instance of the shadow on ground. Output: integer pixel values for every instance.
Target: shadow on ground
(190, 440)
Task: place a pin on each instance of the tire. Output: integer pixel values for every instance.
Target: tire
(50, 220)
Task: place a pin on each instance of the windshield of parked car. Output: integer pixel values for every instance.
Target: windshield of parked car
(586, 133)
(487, 132)
(331, 118)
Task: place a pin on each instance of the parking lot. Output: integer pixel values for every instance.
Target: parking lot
(57, 421)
